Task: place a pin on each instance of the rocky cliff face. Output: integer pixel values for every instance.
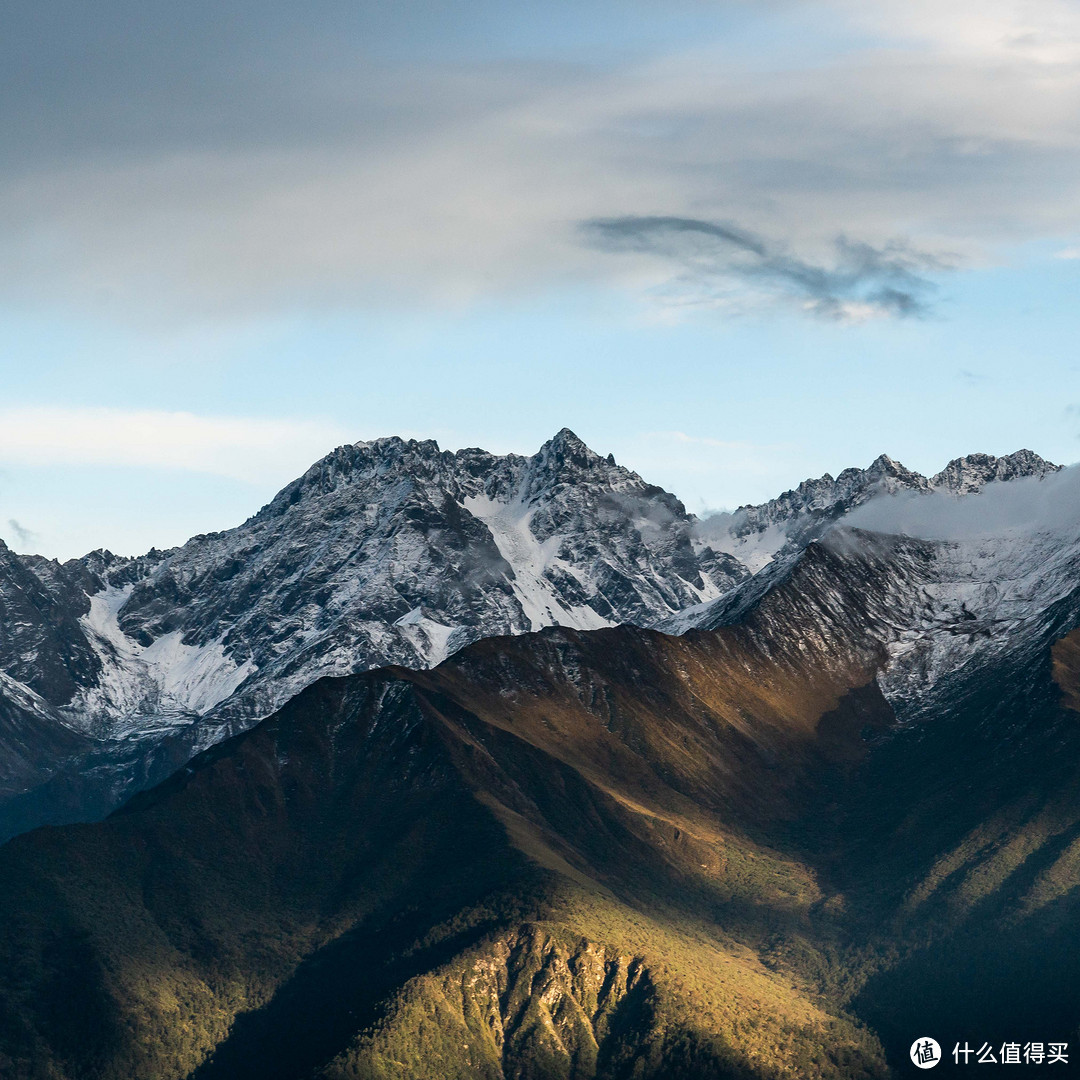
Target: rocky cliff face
(42, 641)
(386, 552)
(390, 552)
(970, 474)
(397, 552)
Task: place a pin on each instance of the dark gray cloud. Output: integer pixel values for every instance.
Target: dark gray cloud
(861, 280)
(123, 79)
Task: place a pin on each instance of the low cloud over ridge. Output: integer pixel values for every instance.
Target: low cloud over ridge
(1027, 504)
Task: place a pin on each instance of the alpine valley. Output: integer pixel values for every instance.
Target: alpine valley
(451, 765)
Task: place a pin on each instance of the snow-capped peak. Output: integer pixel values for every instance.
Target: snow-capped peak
(395, 551)
(782, 527)
(386, 551)
(969, 474)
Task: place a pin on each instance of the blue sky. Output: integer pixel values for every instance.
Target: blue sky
(737, 245)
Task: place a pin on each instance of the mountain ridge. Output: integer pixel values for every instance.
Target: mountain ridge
(388, 551)
(544, 786)
(777, 528)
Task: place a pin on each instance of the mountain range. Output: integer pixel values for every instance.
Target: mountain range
(458, 765)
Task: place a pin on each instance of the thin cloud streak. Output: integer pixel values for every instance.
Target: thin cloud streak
(862, 282)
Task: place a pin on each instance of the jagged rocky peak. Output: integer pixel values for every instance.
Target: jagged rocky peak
(826, 496)
(378, 464)
(563, 459)
(884, 474)
(967, 475)
(565, 478)
(565, 448)
(389, 551)
(363, 463)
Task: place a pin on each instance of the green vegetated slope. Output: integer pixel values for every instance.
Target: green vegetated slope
(570, 855)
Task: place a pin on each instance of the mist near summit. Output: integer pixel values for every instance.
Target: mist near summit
(1025, 505)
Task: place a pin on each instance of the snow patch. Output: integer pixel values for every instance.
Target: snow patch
(755, 550)
(167, 678)
(429, 637)
(530, 559)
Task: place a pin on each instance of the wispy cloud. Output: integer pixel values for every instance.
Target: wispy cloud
(25, 535)
(860, 282)
(243, 448)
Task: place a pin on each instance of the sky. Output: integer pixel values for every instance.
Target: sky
(735, 244)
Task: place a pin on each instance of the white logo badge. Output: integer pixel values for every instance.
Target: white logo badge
(925, 1053)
